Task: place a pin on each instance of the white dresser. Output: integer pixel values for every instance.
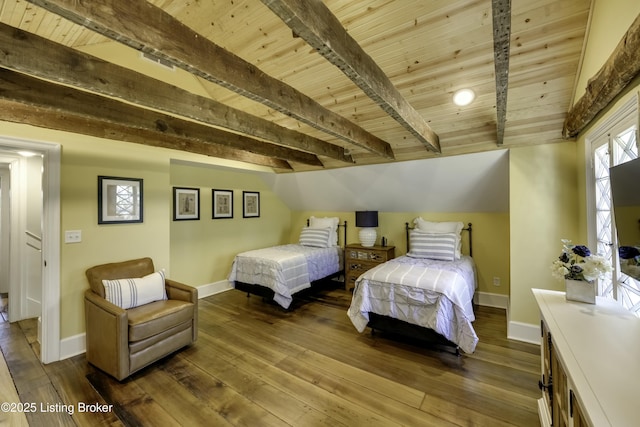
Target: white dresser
(592, 354)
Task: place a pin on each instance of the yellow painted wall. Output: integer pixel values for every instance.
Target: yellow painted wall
(490, 238)
(202, 251)
(543, 207)
(84, 158)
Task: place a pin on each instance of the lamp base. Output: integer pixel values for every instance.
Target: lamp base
(367, 236)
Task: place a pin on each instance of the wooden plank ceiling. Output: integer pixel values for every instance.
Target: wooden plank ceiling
(295, 85)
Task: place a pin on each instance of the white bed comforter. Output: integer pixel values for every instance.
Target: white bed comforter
(285, 269)
(433, 294)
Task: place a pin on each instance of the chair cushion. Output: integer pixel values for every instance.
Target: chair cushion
(156, 317)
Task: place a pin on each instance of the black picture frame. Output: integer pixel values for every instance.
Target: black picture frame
(221, 204)
(250, 204)
(186, 204)
(120, 200)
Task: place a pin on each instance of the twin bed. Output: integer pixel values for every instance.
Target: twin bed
(424, 295)
(279, 272)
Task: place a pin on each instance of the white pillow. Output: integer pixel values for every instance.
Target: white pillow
(317, 237)
(327, 222)
(443, 227)
(440, 246)
(128, 293)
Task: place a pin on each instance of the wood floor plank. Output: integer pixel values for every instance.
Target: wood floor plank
(65, 377)
(9, 394)
(387, 388)
(132, 405)
(368, 398)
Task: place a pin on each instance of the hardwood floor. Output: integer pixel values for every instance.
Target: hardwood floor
(257, 365)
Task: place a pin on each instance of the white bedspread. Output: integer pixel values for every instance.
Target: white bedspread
(285, 269)
(433, 294)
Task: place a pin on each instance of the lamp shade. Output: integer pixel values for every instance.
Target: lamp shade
(366, 218)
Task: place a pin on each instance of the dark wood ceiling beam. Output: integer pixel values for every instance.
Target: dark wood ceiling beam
(620, 69)
(501, 11)
(34, 55)
(314, 22)
(145, 27)
(14, 111)
(81, 112)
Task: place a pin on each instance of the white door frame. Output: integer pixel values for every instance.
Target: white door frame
(50, 316)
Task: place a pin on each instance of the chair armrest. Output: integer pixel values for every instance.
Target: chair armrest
(103, 304)
(180, 291)
(107, 335)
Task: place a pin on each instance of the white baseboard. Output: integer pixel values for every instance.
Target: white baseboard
(525, 332)
(491, 300)
(518, 331)
(73, 346)
(213, 288)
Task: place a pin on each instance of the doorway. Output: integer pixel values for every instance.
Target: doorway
(32, 224)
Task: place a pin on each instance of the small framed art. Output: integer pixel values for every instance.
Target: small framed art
(250, 204)
(186, 204)
(119, 200)
(222, 203)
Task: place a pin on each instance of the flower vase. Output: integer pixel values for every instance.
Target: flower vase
(581, 291)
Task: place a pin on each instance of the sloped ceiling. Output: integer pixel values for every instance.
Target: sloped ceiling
(466, 183)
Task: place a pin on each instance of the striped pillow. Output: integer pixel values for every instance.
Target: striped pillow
(441, 246)
(317, 237)
(129, 293)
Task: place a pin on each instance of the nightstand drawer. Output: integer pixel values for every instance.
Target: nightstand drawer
(359, 259)
(357, 268)
(367, 255)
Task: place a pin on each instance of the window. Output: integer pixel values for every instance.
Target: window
(613, 143)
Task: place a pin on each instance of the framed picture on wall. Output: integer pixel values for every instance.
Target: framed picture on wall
(186, 204)
(222, 204)
(250, 204)
(119, 200)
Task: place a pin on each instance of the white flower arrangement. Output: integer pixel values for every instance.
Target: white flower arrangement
(577, 263)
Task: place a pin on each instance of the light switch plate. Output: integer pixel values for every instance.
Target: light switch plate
(73, 236)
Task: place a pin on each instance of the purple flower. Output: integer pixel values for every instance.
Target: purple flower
(582, 251)
(628, 252)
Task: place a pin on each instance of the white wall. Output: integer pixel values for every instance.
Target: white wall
(465, 183)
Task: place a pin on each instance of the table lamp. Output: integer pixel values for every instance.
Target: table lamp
(367, 221)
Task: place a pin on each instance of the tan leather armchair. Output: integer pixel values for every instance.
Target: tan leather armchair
(121, 342)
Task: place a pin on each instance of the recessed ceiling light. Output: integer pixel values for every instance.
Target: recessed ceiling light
(463, 97)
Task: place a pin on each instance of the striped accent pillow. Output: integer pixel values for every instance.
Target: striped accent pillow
(317, 237)
(441, 246)
(129, 293)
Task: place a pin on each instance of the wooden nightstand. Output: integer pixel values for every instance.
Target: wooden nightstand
(358, 259)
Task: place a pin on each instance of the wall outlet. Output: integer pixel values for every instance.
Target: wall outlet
(73, 236)
(496, 281)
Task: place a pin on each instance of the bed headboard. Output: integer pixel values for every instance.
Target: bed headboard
(344, 236)
(468, 228)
